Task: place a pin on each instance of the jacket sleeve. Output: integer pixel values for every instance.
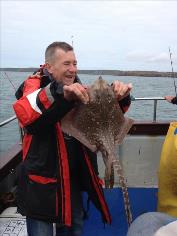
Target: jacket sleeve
(125, 103)
(42, 108)
(174, 100)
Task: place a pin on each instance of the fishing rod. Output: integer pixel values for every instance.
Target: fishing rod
(171, 62)
(5, 76)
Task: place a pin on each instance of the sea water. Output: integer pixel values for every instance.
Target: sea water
(139, 110)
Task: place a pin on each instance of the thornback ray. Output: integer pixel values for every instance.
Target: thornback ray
(101, 126)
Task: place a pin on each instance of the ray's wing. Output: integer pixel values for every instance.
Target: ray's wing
(68, 126)
(93, 123)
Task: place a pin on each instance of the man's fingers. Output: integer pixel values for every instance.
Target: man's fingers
(84, 94)
(36, 75)
(81, 94)
(128, 89)
(121, 90)
(169, 98)
(130, 86)
(76, 92)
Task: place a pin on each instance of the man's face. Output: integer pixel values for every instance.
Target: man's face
(64, 67)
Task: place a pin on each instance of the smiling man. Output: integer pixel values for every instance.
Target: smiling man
(54, 171)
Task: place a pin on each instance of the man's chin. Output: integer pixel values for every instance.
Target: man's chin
(68, 81)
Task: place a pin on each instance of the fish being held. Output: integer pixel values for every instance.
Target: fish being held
(101, 126)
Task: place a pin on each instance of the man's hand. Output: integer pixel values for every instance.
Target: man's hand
(121, 90)
(169, 98)
(37, 75)
(76, 92)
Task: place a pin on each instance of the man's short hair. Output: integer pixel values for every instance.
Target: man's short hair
(50, 50)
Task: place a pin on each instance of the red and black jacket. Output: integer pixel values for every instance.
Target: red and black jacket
(44, 176)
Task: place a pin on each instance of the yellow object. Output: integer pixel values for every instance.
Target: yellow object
(167, 194)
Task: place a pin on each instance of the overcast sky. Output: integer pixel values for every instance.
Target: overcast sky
(122, 35)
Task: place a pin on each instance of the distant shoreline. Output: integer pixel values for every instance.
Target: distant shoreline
(106, 72)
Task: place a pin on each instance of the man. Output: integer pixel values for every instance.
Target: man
(56, 167)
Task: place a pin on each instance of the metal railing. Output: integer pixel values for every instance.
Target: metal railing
(9, 120)
(155, 99)
(3, 123)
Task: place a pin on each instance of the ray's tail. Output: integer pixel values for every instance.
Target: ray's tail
(118, 169)
(109, 177)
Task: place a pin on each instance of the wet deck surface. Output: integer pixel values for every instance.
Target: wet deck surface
(13, 227)
(142, 200)
(12, 223)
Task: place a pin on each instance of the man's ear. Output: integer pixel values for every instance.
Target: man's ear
(49, 68)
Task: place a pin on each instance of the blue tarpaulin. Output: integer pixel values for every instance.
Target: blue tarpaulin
(141, 199)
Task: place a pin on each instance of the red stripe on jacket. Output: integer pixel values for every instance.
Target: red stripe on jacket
(41, 179)
(44, 99)
(100, 194)
(66, 176)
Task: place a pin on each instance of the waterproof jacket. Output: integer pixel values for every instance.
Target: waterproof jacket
(44, 176)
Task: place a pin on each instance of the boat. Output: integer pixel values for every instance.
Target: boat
(139, 155)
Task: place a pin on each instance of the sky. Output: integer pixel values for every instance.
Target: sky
(112, 35)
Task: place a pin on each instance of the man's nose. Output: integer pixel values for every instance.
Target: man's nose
(73, 68)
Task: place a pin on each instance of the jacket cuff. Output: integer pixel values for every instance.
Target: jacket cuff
(125, 103)
(174, 100)
(56, 89)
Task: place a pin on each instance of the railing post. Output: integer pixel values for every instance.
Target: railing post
(155, 99)
(155, 110)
